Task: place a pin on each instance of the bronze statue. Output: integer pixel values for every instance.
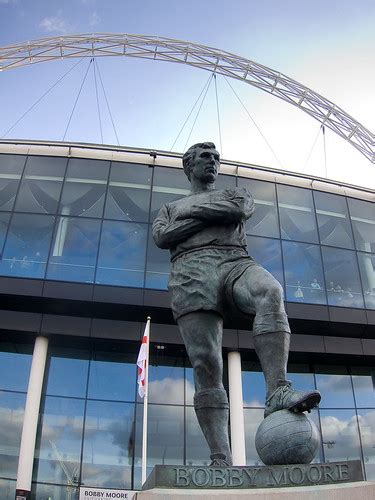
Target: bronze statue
(212, 276)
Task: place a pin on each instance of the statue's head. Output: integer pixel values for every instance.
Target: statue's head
(204, 157)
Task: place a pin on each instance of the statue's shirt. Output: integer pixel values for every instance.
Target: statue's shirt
(210, 219)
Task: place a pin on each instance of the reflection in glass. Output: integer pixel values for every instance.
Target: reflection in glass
(197, 450)
(253, 385)
(169, 184)
(335, 386)
(122, 254)
(158, 266)
(11, 417)
(53, 492)
(340, 435)
(11, 167)
(264, 221)
(166, 380)
(57, 456)
(7, 489)
(74, 249)
(333, 220)
(67, 372)
(15, 363)
(128, 195)
(4, 223)
(367, 268)
(364, 386)
(297, 217)
(84, 188)
(27, 245)
(253, 418)
(267, 253)
(362, 214)
(41, 185)
(342, 278)
(112, 376)
(303, 273)
(366, 420)
(108, 444)
(189, 385)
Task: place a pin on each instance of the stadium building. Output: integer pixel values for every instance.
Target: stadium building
(79, 274)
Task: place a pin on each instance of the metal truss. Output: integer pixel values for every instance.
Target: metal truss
(199, 56)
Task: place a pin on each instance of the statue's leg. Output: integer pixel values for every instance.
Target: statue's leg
(202, 333)
(256, 290)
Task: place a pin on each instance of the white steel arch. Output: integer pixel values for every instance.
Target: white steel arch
(199, 56)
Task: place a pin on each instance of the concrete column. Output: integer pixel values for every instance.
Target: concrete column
(237, 424)
(30, 421)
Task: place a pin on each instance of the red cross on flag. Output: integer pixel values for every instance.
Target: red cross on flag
(142, 361)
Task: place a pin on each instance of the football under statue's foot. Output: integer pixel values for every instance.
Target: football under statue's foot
(286, 398)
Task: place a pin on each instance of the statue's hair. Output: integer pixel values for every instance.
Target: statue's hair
(189, 155)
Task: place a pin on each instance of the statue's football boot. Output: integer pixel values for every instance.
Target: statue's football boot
(220, 460)
(286, 398)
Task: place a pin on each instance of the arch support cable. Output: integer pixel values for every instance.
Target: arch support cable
(199, 56)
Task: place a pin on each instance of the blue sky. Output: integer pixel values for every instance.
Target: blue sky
(326, 45)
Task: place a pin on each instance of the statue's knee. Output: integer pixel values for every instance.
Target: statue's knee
(207, 363)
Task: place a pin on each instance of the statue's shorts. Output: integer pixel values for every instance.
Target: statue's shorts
(203, 279)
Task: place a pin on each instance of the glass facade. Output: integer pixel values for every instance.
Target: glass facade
(89, 221)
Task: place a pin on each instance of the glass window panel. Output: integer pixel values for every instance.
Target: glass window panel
(7, 489)
(252, 420)
(27, 245)
(335, 386)
(158, 266)
(264, 221)
(340, 435)
(169, 184)
(303, 273)
(41, 185)
(12, 407)
(67, 372)
(128, 195)
(74, 249)
(364, 386)
(15, 363)
(112, 376)
(53, 492)
(297, 217)
(108, 444)
(300, 377)
(197, 450)
(166, 380)
(333, 220)
(11, 167)
(367, 268)
(225, 181)
(4, 223)
(267, 252)
(60, 439)
(84, 188)
(122, 254)
(189, 385)
(362, 214)
(253, 385)
(366, 420)
(342, 278)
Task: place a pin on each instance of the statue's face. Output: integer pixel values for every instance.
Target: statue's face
(206, 165)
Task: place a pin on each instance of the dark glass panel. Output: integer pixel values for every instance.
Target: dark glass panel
(15, 363)
(335, 386)
(67, 372)
(364, 386)
(253, 385)
(342, 278)
(11, 167)
(7, 489)
(108, 444)
(53, 492)
(27, 245)
(12, 407)
(84, 188)
(225, 181)
(366, 420)
(303, 273)
(367, 268)
(41, 185)
(58, 451)
(197, 450)
(112, 376)
(264, 221)
(169, 184)
(252, 420)
(74, 249)
(297, 217)
(267, 253)
(128, 195)
(333, 220)
(157, 266)
(4, 223)
(362, 214)
(122, 254)
(166, 380)
(340, 435)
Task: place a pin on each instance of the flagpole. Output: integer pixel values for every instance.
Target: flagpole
(145, 407)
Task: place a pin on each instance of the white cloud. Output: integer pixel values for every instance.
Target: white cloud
(54, 23)
(94, 18)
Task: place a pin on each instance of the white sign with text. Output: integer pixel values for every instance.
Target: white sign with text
(104, 494)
